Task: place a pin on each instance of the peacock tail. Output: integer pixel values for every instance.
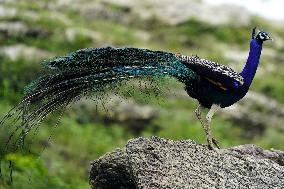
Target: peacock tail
(93, 70)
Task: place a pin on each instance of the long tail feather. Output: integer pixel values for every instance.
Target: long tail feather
(87, 72)
(91, 70)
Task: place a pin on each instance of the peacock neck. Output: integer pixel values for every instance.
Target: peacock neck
(250, 68)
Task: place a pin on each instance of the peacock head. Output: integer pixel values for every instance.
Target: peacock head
(260, 36)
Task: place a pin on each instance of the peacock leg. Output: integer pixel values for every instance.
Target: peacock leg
(207, 126)
(198, 114)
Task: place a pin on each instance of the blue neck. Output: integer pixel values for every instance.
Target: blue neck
(252, 62)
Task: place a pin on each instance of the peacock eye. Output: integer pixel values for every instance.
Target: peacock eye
(262, 36)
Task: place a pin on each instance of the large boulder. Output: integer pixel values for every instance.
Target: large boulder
(160, 163)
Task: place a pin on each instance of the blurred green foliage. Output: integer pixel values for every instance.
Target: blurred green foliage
(60, 155)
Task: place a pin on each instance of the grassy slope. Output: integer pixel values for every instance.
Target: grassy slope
(64, 162)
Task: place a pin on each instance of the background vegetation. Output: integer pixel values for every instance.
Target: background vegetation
(61, 152)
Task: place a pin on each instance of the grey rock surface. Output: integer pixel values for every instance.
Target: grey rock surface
(168, 11)
(17, 51)
(117, 109)
(176, 12)
(159, 163)
(10, 29)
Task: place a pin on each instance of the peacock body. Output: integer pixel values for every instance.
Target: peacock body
(92, 70)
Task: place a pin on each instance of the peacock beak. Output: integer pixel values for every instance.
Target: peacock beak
(269, 38)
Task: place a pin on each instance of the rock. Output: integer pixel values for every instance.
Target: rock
(33, 15)
(142, 35)
(253, 123)
(116, 109)
(17, 51)
(94, 10)
(168, 11)
(61, 17)
(175, 12)
(12, 13)
(254, 98)
(12, 29)
(112, 171)
(128, 110)
(72, 33)
(160, 163)
(269, 114)
(7, 11)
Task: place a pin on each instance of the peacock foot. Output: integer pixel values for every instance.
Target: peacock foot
(212, 143)
(215, 142)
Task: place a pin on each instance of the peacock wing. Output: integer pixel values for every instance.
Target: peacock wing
(218, 74)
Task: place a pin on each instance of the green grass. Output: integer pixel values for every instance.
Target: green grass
(79, 138)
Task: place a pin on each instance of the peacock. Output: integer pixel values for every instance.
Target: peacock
(92, 70)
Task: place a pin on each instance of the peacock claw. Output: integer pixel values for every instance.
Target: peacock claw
(212, 143)
(216, 143)
(210, 146)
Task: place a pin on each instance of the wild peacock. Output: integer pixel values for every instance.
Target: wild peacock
(92, 70)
